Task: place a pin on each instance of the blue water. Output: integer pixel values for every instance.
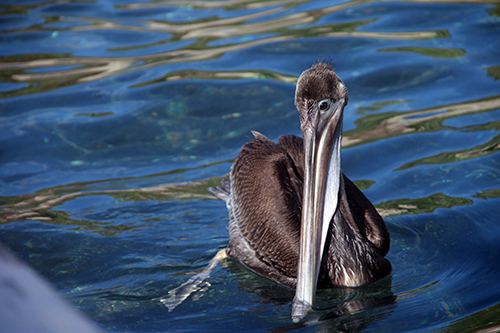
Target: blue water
(115, 116)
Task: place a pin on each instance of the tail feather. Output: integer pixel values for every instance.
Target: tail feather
(221, 192)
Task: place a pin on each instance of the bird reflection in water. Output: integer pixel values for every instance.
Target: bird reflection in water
(336, 309)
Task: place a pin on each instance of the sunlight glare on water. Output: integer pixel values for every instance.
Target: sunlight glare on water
(116, 116)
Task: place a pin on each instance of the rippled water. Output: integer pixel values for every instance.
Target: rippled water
(115, 117)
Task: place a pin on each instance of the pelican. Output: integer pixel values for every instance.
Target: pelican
(294, 217)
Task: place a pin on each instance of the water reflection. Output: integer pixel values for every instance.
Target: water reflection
(40, 206)
(369, 128)
(342, 309)
(162, 129)
(191, 40)
(429, 51)
(389, 124)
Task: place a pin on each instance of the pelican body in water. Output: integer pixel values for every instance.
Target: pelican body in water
(294, 217)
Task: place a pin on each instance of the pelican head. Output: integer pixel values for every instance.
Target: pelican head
(320, 98)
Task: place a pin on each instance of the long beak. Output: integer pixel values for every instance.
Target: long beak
(321, 188)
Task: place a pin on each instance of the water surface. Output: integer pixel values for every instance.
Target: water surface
(116, 116)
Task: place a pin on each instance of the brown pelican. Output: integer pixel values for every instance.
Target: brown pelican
(294, 217)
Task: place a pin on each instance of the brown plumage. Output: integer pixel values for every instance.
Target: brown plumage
(265, 198)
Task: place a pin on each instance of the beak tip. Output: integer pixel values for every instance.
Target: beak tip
(300, 310)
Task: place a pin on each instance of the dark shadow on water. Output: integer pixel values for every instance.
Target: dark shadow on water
(336, 309)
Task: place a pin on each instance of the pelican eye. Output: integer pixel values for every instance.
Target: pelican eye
(324, 105)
